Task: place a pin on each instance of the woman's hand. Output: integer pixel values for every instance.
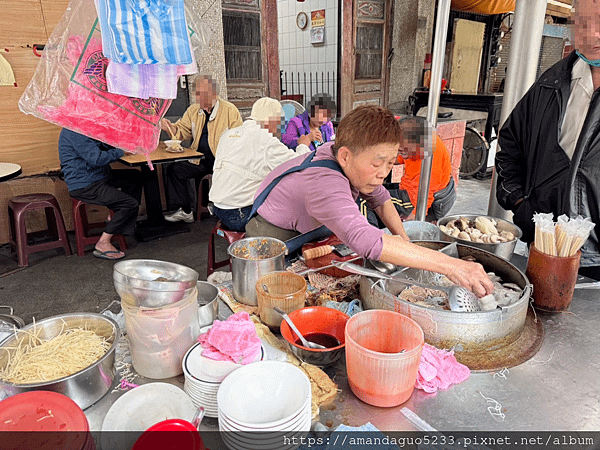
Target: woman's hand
(470, 275)
(315, 135)
(304, 139)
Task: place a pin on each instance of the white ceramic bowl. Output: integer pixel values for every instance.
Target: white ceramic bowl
(265, 394)
(301, 422)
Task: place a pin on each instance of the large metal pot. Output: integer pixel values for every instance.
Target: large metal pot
(251, 258)
(503, 249)
(150, 283)
(465, 332)
(84, 387)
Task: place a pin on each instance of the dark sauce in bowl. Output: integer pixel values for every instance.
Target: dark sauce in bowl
(324, 339)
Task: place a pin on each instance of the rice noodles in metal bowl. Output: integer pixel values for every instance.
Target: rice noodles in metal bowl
(36, 360)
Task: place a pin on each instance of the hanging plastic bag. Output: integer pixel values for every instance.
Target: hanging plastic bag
(68, 88)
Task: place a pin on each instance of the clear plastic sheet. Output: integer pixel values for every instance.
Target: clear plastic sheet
(69, 85)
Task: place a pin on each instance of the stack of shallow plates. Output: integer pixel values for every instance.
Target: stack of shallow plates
(203, 377)
(264, 406)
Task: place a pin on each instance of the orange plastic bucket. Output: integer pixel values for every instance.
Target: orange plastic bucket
(379, 373)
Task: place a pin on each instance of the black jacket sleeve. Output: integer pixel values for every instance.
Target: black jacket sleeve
(511, 159)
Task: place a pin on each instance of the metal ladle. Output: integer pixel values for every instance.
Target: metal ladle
(459, 298)
(293, 327)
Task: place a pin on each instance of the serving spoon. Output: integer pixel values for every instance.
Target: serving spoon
(293, 327)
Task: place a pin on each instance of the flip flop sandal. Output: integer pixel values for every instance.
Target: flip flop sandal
(106, 254)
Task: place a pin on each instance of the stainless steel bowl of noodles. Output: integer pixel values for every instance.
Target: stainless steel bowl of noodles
(72, 354)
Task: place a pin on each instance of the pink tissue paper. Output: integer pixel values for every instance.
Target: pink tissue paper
(234, 340)
(439, 369)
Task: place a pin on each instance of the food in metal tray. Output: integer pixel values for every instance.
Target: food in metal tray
(504, 294)
(482, 230)
(36, 360)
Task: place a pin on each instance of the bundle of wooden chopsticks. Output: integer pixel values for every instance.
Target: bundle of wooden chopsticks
(563, 238)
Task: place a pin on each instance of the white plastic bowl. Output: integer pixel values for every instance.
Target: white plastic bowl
(265, 394)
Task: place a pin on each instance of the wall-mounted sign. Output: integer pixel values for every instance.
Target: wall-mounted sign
(317, 35)
(317, 18)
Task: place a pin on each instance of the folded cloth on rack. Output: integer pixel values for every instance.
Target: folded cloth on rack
(146, 80)
(144, 31)
(439, 369)
(233, 340)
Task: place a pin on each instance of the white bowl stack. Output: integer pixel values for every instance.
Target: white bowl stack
(261, 402)
(203, 377)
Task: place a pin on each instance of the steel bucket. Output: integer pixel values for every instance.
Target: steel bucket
(251, 258)
(464, 332)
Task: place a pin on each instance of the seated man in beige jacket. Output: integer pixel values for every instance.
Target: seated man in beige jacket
(204, 122)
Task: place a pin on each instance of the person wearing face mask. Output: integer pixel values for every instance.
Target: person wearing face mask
(245, 156)
(204, 122)
(313, 127)
(549, 160)
(315, 194)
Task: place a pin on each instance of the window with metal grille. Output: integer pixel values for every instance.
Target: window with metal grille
(369, 51)
(241, 35)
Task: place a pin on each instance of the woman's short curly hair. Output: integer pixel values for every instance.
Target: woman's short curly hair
(366, 126)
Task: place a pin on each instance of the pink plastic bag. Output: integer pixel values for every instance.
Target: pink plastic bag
(69, 88)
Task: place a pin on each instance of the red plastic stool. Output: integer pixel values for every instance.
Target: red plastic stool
(231, 236)
(83, 226)
(17, 207)
(200, 208)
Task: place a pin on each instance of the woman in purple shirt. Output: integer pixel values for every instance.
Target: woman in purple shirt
(303, 194)
(313, 127)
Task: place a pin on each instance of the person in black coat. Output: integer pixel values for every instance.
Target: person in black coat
(549, 160)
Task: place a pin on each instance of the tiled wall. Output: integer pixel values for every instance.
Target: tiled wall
(297, 54)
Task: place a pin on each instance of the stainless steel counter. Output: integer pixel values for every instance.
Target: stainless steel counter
(558, 389)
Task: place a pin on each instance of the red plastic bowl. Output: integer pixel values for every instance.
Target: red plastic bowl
(174, 434)
(316, 319)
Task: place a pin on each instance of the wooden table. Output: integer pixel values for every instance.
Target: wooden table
(9, 171)
(156, 226)
(160, 156)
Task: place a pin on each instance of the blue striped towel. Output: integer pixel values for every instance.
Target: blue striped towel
(144, 31)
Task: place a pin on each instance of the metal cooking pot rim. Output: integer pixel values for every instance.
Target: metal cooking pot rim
(243, 241)
(116, 330)
(500, 310)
